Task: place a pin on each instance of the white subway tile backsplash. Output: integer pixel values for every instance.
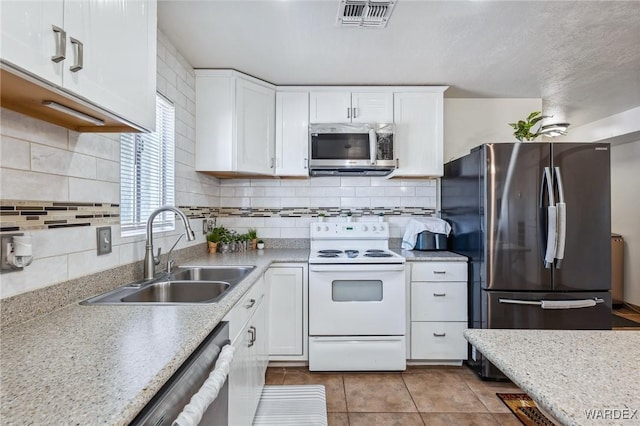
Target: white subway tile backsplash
(41, 273)
(347, 202)
(295, 202)
(426, 191)
(107, 170)
(15, 153)
(20, 185)
(385, 201)
(96, 144)
(29, 129)
(263, 202)
(87, 190)
(56, 161)
(86, 262)
(325, 181)
(355, 181)
(324, 201)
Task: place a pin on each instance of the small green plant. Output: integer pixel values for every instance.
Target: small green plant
(217, 234)
(252, 233)
(321, 214)
(523, 127)
(260, 242)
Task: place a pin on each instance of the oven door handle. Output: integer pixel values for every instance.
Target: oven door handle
(357, 267)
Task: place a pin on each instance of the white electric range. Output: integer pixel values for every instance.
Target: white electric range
(357, 306)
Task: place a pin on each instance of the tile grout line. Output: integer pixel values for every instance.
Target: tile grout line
(411, 396)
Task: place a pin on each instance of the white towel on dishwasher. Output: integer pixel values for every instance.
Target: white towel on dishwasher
(568, 304)
(194, 410)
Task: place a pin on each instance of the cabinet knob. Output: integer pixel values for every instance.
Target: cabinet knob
(439, 334)
(250, 304)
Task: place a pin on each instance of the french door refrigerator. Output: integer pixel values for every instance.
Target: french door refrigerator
(535, 221)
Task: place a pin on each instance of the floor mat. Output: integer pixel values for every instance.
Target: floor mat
(525, 409)
(621, 322)
(292, 405)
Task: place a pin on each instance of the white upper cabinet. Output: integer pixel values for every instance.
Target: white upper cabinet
(32, 37)
(111, 56)
(372, 107)
(93, 56)
(292, 134)
(235, 120)
(418, 138)
(350, 107)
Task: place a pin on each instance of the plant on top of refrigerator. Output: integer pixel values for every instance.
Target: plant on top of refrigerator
(523, 127)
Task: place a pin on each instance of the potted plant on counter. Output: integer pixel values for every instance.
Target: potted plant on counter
(214, 237)
(260, 244)
(252, 233)
(320, 217)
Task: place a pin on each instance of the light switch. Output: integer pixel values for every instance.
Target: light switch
(104, 240)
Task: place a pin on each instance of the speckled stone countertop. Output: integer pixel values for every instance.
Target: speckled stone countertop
(102, 364)
(431, 256)
(570, 374)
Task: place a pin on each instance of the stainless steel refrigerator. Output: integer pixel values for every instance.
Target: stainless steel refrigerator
(535, 221)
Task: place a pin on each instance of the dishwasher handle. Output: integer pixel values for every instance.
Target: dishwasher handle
(195, 409)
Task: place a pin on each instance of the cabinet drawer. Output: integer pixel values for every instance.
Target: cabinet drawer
(434, 301)
(438, 340)
(439, 271)
(245, 307)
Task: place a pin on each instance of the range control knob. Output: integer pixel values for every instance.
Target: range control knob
(318, 228)
(382, 227)
(364, 228)
(373, 228)
(326, 228)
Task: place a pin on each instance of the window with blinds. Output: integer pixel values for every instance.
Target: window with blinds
(147, 173)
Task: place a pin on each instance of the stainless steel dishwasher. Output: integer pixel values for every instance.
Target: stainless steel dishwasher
(168, 403)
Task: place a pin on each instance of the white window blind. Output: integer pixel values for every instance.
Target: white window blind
(147, 173)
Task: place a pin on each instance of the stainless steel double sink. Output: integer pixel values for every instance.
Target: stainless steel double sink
(185, 285)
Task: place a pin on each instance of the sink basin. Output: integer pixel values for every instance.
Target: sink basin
(231, 274)
(179, 292)
(185, 285)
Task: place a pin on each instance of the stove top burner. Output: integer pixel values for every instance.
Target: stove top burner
(352, 253)
(330, 251)
(329, 254)
(378, 254)
(375, 251)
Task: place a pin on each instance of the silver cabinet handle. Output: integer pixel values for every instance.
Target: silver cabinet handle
(61, 44)
(77, 44)
(439, 272)
(355, 112)
(306, 163)
(561, 216)
(272, 162)
(439, 334)
(439, 294)
(250, 304)
(348, 112)
(252, 333)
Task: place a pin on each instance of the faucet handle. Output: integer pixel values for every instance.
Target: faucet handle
(156, 259)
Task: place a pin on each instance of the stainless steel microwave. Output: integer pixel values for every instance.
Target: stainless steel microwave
(351, 149)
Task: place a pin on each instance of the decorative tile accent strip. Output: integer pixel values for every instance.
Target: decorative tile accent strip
(18, 215)
(328, 211)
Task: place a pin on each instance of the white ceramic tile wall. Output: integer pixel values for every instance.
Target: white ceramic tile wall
(340, 192)
(41, 161)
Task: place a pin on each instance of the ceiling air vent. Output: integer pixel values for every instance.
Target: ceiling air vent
(364, 13)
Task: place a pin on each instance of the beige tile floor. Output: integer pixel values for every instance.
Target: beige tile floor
(429, 396)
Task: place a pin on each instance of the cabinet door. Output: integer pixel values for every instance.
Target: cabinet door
(255, 118)
(372, 107)
(240, 394)
(258, 358)
(418, 137)
(118, 43)
(285, 311)
(330, 107)
(292, 134)
(28, 37)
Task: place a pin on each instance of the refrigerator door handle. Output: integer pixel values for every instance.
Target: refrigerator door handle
(556, 304)
(550, 252)
(561, 212)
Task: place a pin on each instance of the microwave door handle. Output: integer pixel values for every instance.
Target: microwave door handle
(373, 139)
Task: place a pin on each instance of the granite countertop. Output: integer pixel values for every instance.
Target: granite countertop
(101, 364)
(431, 256)
(570, 374)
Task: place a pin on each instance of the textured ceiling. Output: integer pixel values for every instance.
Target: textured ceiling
(582, 58)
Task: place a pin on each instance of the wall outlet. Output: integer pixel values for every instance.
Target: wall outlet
(208, 225)
(104, 240)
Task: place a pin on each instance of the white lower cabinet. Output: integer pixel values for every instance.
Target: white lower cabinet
(287, 287)
(438, 311)
(249, 334)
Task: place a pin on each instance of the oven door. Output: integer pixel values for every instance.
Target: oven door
(357, 300)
